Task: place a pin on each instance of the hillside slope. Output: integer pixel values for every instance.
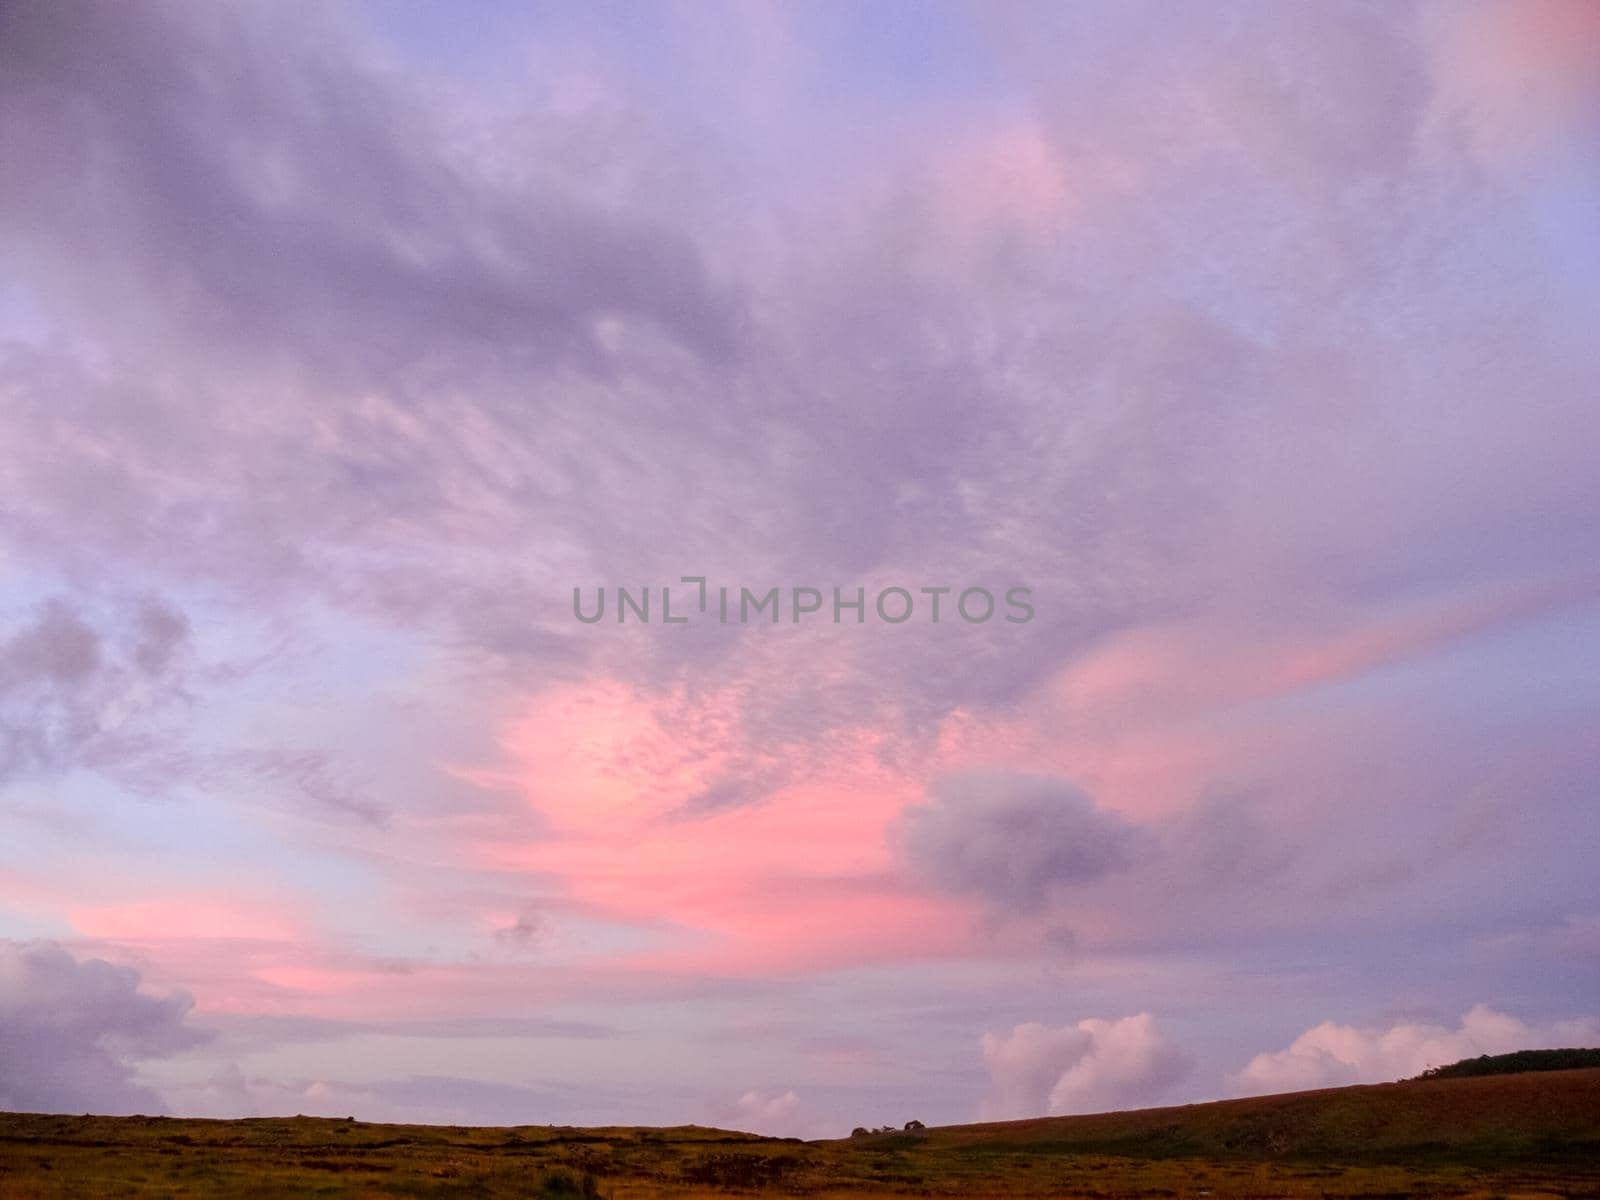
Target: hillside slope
(1508, 1135)
(1495, 1117)
(1517, 1062)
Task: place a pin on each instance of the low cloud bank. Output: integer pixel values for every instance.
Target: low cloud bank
(71, 1029)
(1332, 1055)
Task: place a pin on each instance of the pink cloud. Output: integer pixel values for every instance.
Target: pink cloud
(804, 878)
(1517, 74)
(205, 916)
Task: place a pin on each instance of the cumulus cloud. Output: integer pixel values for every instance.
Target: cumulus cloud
(773, 1112)
(1092, 1066)
(71, 1030)
(1332, 1055)
(1013, 839)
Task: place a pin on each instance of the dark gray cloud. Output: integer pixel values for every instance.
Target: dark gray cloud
(1039, 850)
(1013, 840)
(71, 1030)
(75, 693)
(58, 650)
(528, 929)
(259, 182)
(1316, 860)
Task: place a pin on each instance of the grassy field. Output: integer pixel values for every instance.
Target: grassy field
(1501, 1136)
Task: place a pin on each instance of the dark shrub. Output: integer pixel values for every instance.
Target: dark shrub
(559, 1181)
(749, 1171)
(1516, 1063)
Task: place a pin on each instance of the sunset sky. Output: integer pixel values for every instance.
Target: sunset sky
(339, 344)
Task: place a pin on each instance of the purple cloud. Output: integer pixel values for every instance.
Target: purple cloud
(71, 1030)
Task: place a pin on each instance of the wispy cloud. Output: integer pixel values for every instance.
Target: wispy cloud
(332, 358)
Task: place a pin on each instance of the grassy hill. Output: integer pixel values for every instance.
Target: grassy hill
(1488, 1136)
(1516, 1063)
(1490, 1118)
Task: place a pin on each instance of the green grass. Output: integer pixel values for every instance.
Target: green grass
(1510, 1136)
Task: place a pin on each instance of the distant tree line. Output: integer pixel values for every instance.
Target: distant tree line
(1515, 1063)
(909, 1127)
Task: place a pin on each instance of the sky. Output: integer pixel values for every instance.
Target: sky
(349, 354)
